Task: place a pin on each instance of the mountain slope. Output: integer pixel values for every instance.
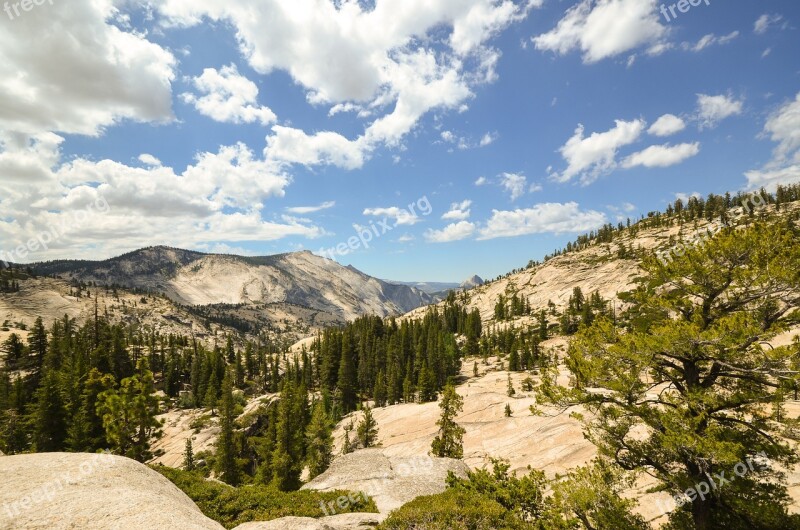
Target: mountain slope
(197, 279)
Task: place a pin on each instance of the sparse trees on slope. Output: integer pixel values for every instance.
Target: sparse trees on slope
(695, 375)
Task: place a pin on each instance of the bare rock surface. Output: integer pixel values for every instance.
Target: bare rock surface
(60, 491)
(391, 481)
(344, 521)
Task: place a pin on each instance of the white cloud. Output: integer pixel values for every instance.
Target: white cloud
(401, 216)
(543, 218)
(220, 198)
(228, 97)
(782, 127)
(709, 40)
(589, 158)
(452, 232)
(481, 181)
(713, 109)
(604, 28)
(514, 184)
(406, 238)
(662, 155)
(488, 139)
(293, 146)
(459, 211)
(686, 196)
(375, 57)
(149, 160)
(302, 210)
(764, 22)
(81, 73)
(667, 125)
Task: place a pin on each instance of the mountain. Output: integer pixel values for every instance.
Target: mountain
(469, 283)
(432, 288)
(196, 279)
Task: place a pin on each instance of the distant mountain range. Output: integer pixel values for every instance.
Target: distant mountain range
(440, 288)
(198, 279)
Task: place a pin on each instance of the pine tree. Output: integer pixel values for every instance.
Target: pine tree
(510, 388)
(346, 381)
(86, 433)
(508, 410)
(226, 443)
(367, 429)
(50, 416)
(319, 441)
(188, 456)
(449, 441)
(701, 322)
(287, 458)
(129, 414)
(426, 385)
(380, 390)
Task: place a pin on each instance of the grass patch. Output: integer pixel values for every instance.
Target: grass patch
(231, 506)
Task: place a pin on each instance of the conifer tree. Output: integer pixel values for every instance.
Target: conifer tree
(449, 441)
(699, 329)
(287, 457)
(319, 441)
(129, 414)
(188, 455)
(346, 381)
(367, 429)
(226, 450)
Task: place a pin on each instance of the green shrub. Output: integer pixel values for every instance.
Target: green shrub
(455, 509)
(231, 506)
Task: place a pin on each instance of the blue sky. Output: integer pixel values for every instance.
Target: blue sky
(269, 126)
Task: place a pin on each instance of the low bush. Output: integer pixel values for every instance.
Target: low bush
(231, 506)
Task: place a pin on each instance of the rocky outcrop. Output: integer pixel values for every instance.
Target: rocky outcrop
(49, 491)
(391, 481)
(344, 521)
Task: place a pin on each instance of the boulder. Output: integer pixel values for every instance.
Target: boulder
(391, 481)
(55, 491)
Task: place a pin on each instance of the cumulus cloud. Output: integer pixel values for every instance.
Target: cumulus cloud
(401, 216)
(459, 211)
(667, 125)
(604, 28)
(481, 181)
(228, 97)
(589, 158)
(452, 232)
(81, 73)
(782, 127)
(218, 198)
(367, 58)
(555, 218)
(514, 183)
(662, 155)
(713, 109)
